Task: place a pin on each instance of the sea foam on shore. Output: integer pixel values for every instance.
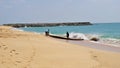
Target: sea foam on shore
(107, 41)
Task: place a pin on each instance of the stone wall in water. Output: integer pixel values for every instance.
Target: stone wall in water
(17, 25)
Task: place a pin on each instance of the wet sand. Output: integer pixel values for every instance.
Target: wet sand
(97, 45)
(92, 44)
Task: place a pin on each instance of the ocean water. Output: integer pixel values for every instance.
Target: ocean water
(108, 33)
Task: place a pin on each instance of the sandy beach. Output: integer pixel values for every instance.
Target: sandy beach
(20, 49)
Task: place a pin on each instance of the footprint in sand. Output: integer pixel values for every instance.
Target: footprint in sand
(3, 45)
(16, 53)
(5, 48)
(18, 61)
(0, 46)
(3, 62)
(95, 56)
(12, 51)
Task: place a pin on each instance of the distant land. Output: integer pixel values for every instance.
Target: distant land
(18, 25)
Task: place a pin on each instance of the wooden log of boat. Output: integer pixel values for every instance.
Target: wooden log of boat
(60, 37)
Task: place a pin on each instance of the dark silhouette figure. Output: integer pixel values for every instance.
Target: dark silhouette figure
(67, 35)
(47, 32)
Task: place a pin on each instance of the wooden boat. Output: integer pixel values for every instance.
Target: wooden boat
(60, 37)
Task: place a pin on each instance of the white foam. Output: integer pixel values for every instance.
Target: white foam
(93, 36)
(105, 41)
(78, 36)
(17, 29)
(25, 27)
(110, 41)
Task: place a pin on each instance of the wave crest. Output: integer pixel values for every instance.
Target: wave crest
(109, 41)
(78, 36)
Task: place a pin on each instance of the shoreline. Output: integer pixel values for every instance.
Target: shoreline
(92, 44)
(20, 49)
(106, 41)
(99, 46)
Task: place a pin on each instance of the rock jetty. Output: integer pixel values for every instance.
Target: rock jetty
(17, 25)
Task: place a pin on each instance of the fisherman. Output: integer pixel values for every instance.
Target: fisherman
(67, 35)
(47, 32)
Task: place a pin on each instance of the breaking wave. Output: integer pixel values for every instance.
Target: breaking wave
(110, 41)
(78, 36)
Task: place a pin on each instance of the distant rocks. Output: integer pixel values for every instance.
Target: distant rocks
(17, 25)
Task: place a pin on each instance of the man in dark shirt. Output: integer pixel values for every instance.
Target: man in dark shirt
(67, 35)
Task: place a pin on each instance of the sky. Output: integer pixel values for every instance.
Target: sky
(34, 11)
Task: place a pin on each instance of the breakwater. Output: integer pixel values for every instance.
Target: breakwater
(17, 25)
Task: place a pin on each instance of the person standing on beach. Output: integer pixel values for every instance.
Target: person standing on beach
(67, 35)
(47, 32)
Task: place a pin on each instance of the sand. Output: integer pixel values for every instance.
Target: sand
(29, 50)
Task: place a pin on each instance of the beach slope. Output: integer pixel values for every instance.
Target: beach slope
(20, 49)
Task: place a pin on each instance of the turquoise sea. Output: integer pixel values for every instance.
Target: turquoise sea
(107, 32)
